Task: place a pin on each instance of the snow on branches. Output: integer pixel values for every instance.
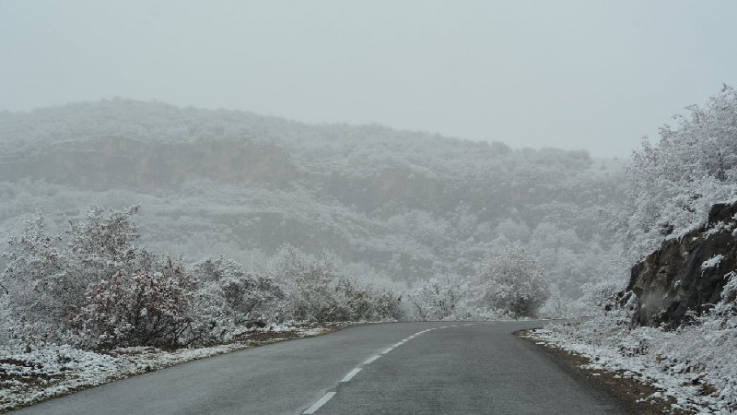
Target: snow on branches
(319, 289)
(98, 290)
(95, 289)
(673, 184)
(511, 281)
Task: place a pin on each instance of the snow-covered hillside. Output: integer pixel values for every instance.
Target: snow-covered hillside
(410, 205)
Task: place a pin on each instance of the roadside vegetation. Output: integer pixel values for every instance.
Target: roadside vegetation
(95, 289)
(91, 306)
(672, 185)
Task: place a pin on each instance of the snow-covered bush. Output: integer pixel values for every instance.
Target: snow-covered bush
(317, 289)
(98, 289)
(309, 284)
(42, 294)
(146, 308)
(229, 297)
(441, 297)
(509, 280)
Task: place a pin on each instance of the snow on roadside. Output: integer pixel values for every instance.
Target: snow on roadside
(30, 374)
(662, 359)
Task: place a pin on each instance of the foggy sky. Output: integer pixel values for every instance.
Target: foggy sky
(570, 74)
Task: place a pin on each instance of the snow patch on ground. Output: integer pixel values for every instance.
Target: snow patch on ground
(679, 364)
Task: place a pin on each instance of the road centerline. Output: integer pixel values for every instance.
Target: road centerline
(372, 359)
(312, 409)
(350, 375)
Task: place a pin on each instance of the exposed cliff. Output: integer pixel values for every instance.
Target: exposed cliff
(686, 274)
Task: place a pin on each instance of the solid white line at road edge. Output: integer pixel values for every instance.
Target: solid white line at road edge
(312, 409)
(351, 374)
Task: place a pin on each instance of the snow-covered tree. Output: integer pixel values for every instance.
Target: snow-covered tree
(511, 281)
(42, 293)
(674, 183)
(441, 297)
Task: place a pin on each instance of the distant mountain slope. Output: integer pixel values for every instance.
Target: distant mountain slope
(409, 204)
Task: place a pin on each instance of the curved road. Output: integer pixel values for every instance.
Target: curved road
(402, 368)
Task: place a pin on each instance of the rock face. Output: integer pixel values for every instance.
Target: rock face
(687, 274)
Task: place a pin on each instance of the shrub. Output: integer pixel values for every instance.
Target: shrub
(320, 290)
(510, 281)
(145, 308)
(230, 297)
(441, 298)
(99, 290)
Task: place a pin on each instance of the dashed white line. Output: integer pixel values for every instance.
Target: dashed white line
(317, 405)
(351, 374)
(312, 409)
(371, 360)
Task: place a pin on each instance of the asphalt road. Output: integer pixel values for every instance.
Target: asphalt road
(449, 368)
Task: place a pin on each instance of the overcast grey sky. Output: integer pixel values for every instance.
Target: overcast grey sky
(571, 74)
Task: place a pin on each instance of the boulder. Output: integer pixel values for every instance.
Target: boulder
(685, 277)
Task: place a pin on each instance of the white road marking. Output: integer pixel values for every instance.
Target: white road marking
(351, 374)
(371, 360)
(328, 396)
(312, 409)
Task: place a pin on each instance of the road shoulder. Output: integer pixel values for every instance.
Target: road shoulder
(629, 392)
(56, 371)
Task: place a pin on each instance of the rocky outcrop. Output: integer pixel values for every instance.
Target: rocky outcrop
(686, 275)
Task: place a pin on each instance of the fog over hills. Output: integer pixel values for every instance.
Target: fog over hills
(409, 205)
